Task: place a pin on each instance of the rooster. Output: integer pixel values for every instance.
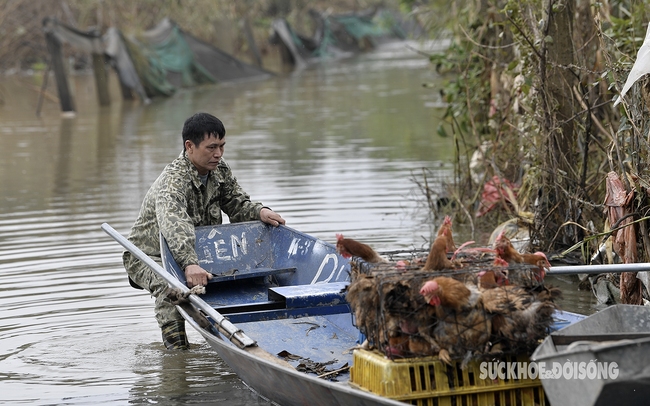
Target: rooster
(508, 253)
(348, 248)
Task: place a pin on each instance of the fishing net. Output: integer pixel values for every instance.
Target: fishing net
(338, 35)
(160, 60)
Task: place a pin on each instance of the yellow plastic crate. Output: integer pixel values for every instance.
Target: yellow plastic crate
(427, 381)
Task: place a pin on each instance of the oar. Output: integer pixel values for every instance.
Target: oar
(233, 333)
(595, 269)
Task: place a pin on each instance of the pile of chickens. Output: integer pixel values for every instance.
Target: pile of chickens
(457, 303)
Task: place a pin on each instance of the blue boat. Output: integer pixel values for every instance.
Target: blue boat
(276, 310)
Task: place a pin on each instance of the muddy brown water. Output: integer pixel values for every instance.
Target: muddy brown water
(333, 148)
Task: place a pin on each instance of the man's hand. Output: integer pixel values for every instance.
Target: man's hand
(196, 275)
(270, 217)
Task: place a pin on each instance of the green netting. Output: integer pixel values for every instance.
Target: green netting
(381, 25)
(346, 32)
(360, 28)
(327, 41)
(150, 70)
(175, 55)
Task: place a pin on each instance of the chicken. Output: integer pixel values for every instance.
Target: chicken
(348, 247)
(445, 294)
(392, 340)
(537, 258)
(445, 229)
(507, 252)
(462, 334)
(396, 321)
(492, 278)
(437, 259)
(500, 262)
(420, 347)
(398, 346)
(520, 317)
(363, 298)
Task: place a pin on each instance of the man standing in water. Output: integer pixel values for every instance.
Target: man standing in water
(191, 191)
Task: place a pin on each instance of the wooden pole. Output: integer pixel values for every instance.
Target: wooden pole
(101, 79)
(99, 68)
(42, 92)
(56, 61)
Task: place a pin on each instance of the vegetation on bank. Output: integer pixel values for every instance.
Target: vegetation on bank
(532, 87)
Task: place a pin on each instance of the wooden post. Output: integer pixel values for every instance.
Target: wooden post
(101, 79)
(56, 56)
(99, 68)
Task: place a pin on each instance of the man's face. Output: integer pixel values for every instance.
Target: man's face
(207, 154)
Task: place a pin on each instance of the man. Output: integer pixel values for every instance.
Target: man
(191, 191)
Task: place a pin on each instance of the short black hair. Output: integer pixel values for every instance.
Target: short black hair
(200, 124)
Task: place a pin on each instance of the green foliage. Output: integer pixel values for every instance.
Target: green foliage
(500, 90)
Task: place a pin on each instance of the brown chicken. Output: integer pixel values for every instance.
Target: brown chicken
(363, 298)
(420, 347)
(507, 252)
(492, 278)
(520, 318)
(392, 340)
(459, 335)
(445, 294)
(437, 259)
(348, 248)
(445, 229)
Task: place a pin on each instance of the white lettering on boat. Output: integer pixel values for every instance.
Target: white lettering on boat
(221, 251)
(338, 275)
(293, 248)
(327, 258)
(207, 256)
(299, 246)
(238, 242)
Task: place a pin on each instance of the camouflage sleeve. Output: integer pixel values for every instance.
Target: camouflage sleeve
(236, 203)
(175, 224)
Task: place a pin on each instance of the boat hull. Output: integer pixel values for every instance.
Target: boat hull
(604, 340)
(286, 386)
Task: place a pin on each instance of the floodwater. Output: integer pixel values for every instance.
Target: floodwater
(334, 148)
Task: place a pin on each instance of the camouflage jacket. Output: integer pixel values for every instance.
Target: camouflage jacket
(177, 202)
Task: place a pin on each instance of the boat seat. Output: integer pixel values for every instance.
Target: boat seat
(316, 295)
(237, 274)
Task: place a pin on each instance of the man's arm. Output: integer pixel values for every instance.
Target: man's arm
(177, 228)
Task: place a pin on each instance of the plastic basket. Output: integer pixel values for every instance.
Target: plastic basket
(427, 381)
